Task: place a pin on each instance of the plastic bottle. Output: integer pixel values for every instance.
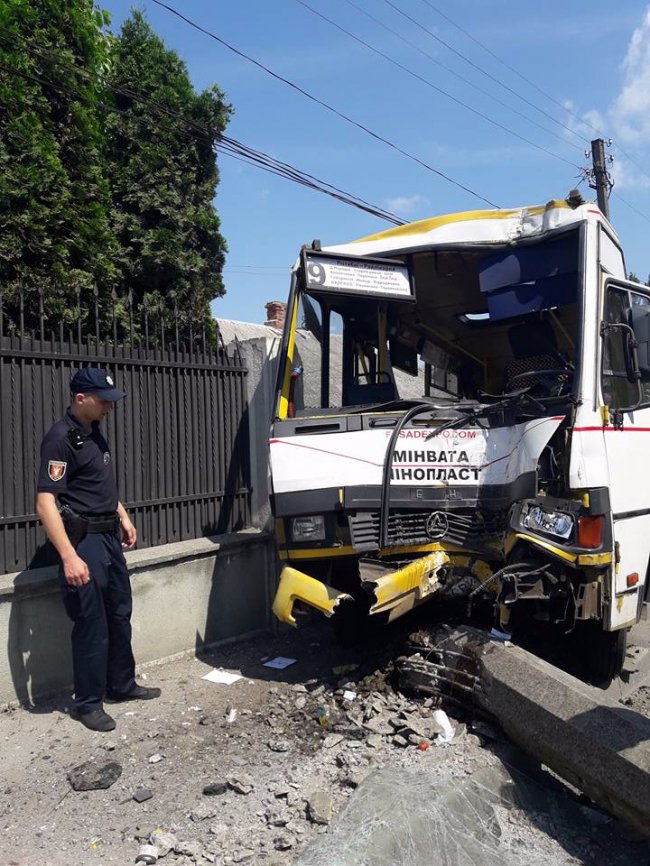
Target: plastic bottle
(441, 718)
(323, 715)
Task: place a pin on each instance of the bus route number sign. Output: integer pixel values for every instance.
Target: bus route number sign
(345, 275)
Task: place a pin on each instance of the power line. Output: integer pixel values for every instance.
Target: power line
(434, 86)
(499, 60)
(456, 74)
(324, 104)
(630, 159)
(631, 206)
(533, 85)
(479, 68)
(224, 144)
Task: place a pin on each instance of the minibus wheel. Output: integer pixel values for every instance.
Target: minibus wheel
(610, 649)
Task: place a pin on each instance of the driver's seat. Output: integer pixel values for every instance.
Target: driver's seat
(534, 347)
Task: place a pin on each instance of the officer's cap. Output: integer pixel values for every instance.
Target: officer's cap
(92, 380)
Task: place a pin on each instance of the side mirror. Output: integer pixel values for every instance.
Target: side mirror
(640, 322)
(632, 371)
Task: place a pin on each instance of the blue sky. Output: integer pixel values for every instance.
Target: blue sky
(592, 58)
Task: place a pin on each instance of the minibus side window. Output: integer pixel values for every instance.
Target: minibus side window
(618, 391)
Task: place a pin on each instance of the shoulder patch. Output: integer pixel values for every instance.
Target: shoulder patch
(56, 469)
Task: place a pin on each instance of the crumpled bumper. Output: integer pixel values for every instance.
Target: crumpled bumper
(297, 586)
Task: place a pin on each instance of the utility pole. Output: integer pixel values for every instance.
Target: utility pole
(601, 180)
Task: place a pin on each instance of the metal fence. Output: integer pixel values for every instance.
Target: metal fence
(179, 440)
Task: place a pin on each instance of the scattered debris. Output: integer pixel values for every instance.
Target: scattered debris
(215, 789)
(164, 841)
(441, 718)
(500, 635)
(573, 723)
(344, 669)
(155, 759)
(242, 783)
(379, 724)
(279, 663)
(147, 855)
(217, 675)
(189, 849)
(283, 842)
(202, 813)
(320, 807)
(92, 777)
(286, 780)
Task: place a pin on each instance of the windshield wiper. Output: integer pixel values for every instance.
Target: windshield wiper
(400, 403)
(513, 399)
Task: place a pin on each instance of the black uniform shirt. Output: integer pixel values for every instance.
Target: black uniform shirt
(81, 477)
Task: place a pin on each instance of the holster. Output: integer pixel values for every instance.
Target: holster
(76, 526)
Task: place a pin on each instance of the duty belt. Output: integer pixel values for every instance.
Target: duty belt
(101, 522)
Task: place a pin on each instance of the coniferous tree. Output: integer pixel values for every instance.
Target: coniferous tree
(163, 176)
(54, 197)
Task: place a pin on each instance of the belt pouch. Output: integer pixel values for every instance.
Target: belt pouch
(76, 526)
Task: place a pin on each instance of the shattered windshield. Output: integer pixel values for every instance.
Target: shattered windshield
(485, 323)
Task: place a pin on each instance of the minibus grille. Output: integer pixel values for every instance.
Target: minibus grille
(463, 527)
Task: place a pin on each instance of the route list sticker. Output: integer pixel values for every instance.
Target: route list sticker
(352, 276)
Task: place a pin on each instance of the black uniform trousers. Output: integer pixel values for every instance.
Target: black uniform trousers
(102, 657)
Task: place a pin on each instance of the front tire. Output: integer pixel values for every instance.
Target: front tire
(609, 651)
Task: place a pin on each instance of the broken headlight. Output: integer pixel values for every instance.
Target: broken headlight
(310, 528)
(550, 522)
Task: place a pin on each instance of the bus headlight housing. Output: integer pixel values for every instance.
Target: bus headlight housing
(556, 523)
(310, 528)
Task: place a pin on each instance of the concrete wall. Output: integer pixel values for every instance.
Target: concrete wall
(186, 596)
(261, 357)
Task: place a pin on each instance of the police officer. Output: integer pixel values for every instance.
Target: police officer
(78, 505)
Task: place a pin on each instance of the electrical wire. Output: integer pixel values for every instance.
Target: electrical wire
(501, 61)
(479, 68)
(223, 144)
(434, 86)
(631, 206)
(323, 104)
(456, 74)
(536, 87)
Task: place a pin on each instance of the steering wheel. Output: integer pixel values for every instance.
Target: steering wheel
(554, 379)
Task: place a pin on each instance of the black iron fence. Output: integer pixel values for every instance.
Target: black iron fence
(179, 440)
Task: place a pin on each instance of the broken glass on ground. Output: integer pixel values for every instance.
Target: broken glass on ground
(442, 817)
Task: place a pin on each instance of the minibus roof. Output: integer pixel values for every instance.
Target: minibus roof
(472, 227)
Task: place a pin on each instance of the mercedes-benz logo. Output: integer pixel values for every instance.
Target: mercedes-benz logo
(437, 524)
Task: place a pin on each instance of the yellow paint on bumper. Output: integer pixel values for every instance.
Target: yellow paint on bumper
(413, 582)
(297, 586)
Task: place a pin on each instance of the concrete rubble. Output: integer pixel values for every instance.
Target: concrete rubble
(584, 736)
(92, 777)
(222, 796)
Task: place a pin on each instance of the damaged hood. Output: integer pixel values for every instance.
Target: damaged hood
(456, 457)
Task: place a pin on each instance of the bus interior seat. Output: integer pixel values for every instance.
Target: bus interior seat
(534, 347)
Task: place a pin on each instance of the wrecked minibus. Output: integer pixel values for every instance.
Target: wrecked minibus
(463, 409)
